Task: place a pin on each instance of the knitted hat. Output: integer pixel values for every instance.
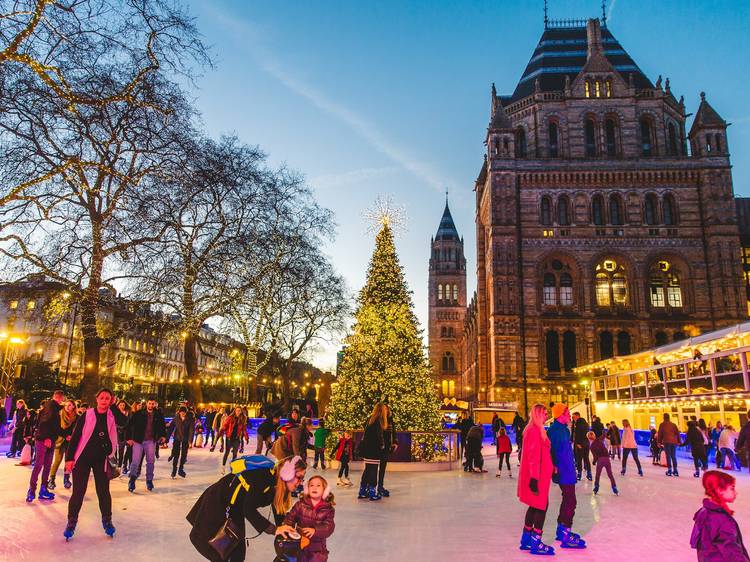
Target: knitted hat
(558, 410)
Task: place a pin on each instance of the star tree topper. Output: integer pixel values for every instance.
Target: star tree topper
(385, 212)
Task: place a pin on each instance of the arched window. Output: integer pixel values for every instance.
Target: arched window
(610, 132)
(597, 210)
(440, 292)
(708, 143)
(672, 139)
(445, 388)
(615, 210)
(674, 291)
(550, 291)
(605, 345)
(449, 363)
(651, 209)
(563, 210)
(609, 88)
(546, 211)
(610, 284)
(569, 351)
(664, 286)
(646, 137)
(455, 293)
(669, 210)
(587, 88)
(656, 290)
(520, 143)
(443, 331)
(566, 289)
(590, 137)
(598, 88)
(552, 346)
(554, 140)
(717, 139)
(623, 343)
(660, 338)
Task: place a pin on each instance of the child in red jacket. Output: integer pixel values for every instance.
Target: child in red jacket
(503, 451)
(313, 517)
(344, 451)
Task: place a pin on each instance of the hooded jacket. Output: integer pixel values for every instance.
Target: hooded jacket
(320, 517)
(562, 453)
(48, 422)
(716, 535)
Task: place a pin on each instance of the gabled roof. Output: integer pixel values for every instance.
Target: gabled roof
(562, 51)
(447, 229)
(706, 116)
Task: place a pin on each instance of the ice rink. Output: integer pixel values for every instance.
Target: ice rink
(439, 516)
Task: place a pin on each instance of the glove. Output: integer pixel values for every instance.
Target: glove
(534, 486)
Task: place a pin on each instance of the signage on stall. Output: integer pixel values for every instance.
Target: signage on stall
(503, 405)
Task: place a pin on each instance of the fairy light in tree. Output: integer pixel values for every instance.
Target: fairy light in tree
(385, 212)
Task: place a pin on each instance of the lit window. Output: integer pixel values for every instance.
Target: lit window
(610, 284)
(656, 291)
(440, 292)
(587, 87)
(13, 305)
(452, 388)
(445, 388)
(31, 305)
(609, 88)
(602, 289)
(598, 90)
(566, 289)
(550, 292)
(455, 293)
(619, 289)
(674, 293)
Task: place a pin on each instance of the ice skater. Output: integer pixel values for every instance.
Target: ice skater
(181, 428)
(615, 443)
(716, 535)
(313, 516)
(344, 451)
(602, 461)
(145, 432)
(47, 430)
(668, 437)
(581, 446)
(561, 448)
(629, 447)
(697, 441)
(371, 448)
(503, 451)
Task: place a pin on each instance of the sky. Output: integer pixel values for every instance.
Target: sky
(392, 98)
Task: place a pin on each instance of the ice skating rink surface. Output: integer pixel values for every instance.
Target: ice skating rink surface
(439, 516)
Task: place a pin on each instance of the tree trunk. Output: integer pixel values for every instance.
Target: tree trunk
(92, 343)
(286, 386)
(251, 369)
(195, 392)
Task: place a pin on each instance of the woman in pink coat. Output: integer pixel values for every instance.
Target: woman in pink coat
(534, 481)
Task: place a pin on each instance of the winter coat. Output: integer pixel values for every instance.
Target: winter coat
(518, 425)
(613, 433)
(580, 429)
(668, 434)
(562, 453)
(19, 419)
(726, 439)
(218, 419)
(536, 462)
(291, 444)
(267, 427)
(597, 427)
(716, 535)
(372, 445)
(495, 424)
(181, 429)
(209, 512)
(344, 446)
(48, 422)
(503, 444)
(694, 438)
(321, 434)
(83, 431)
(320, 518)
(227, 426)
(389, 435)
(136, 428)
(599, 449)
(210, 416)
(628, 438)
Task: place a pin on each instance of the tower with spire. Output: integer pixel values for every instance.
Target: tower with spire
(447, 305)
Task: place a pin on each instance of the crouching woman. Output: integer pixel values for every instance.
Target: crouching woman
(239, 496)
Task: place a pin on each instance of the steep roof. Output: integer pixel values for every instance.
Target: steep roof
(447, 229)
(706, 116)
(562, 51)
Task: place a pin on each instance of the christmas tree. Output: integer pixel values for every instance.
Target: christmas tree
(384, 360)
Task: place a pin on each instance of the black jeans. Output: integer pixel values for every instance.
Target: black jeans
(700, 459)
(581, 454)
(505, 456)
(568, 505)
(370, 473)
(634, 452)
(16, 441)
(179, 450)
(233, 445)
(381, 471)
(320, 454)
(81, 471)
(535, 518)
(344, 469)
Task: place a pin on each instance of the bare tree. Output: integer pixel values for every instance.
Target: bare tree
(88, 172)
(311, 306)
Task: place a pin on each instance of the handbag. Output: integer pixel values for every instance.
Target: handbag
(113, 471)
(226, 539)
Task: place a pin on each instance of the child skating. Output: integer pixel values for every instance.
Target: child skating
(313, 517)
(602, 461)
(504, 449)
(344, 451)
(716, 535)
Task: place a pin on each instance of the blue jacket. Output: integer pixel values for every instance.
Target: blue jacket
(562, 453)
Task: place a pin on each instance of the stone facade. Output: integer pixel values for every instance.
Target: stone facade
(598, 232)
(447, 306)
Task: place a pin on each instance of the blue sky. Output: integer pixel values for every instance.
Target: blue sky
(391, 98)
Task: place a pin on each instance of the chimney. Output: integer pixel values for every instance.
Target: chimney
(594, 36)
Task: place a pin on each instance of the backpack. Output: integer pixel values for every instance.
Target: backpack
(251, 462)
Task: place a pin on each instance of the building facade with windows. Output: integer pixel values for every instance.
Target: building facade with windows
(447, 306)
(603, 225)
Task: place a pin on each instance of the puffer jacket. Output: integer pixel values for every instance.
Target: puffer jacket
(716, 535)
(561, 449)
(373, 444)
(320, 517)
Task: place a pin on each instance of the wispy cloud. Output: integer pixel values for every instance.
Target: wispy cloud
(352, 177)
(269, 63)
(611, 10)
